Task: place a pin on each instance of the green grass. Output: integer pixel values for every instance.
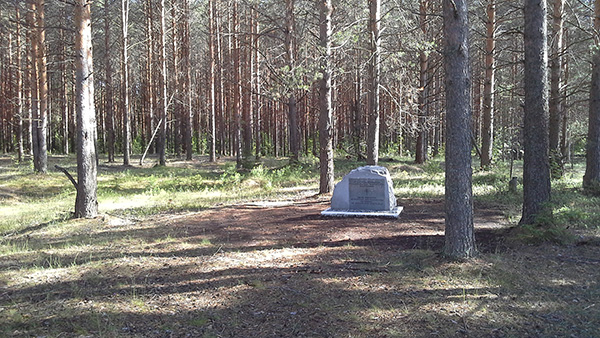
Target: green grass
(28, 199)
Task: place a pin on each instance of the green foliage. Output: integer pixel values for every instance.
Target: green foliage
(538, 234)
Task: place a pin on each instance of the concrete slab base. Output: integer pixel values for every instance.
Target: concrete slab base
(394, 213)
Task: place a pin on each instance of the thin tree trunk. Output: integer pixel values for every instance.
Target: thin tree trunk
(294, 132)
(31, 79)
(150, 92)
(591, 179)
(326, 113)
(422, 132)
(86, 204)
(125, 83)
(374, 70)
(162, 140)
(212, 80)
(257, 89)
(108, 95)
(63, 89)
(536, 169)
(555, 104)
(42, 77)
(175, 84)
(19, 83)
(237, 87)
(459, 233)
(187, 83)
(247, 89)
(487, 140)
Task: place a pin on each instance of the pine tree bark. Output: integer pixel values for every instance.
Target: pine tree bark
(555, 103)
(149, 87)
(212, 82)
(374, 70)
(294, 131)
(162, 140)
(86, 205)
(487, 125)
(422, 133)
(19, 83)
(326, 113)
(125, 83)
(42, 78)
(186, 82)
(257, 88)
(63, 89)
(108, 94)
(31, 81)
(237, 87)
(459, 233)
(536, 168)
(175, 87)
(591, 179)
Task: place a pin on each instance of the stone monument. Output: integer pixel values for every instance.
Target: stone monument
(365, 191)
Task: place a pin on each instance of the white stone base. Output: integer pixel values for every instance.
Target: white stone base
(394, 213)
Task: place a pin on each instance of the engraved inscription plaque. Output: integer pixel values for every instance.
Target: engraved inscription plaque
(367, 194)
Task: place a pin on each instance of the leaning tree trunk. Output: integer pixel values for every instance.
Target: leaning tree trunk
(326, 115)
(536, 168)
(459, 233)
(86, 204)
(591, 179)
(487, 126)
(374, 69)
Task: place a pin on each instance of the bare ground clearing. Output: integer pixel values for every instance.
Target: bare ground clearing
(281, 270)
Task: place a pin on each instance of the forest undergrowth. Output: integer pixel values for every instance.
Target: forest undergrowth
(201, 249)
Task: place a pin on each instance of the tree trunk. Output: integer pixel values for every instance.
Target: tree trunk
(63, 88)
(487, 127)
(212, 82)
(294, 140)
(374, 69)
(459, 233)
(176, 110)
(108, 95)
(42, 77)
(150, 92)
(326, 113)
(19, 83)
(162, 139)
(187, 83)
(31, 81)
(536, 169)
(125, 83)
(237, 87)
(422, 132)
(555, 104)
(257, 90)
(86, 204)
(591, 179)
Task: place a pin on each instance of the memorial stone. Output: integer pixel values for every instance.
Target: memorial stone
(365, 191)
